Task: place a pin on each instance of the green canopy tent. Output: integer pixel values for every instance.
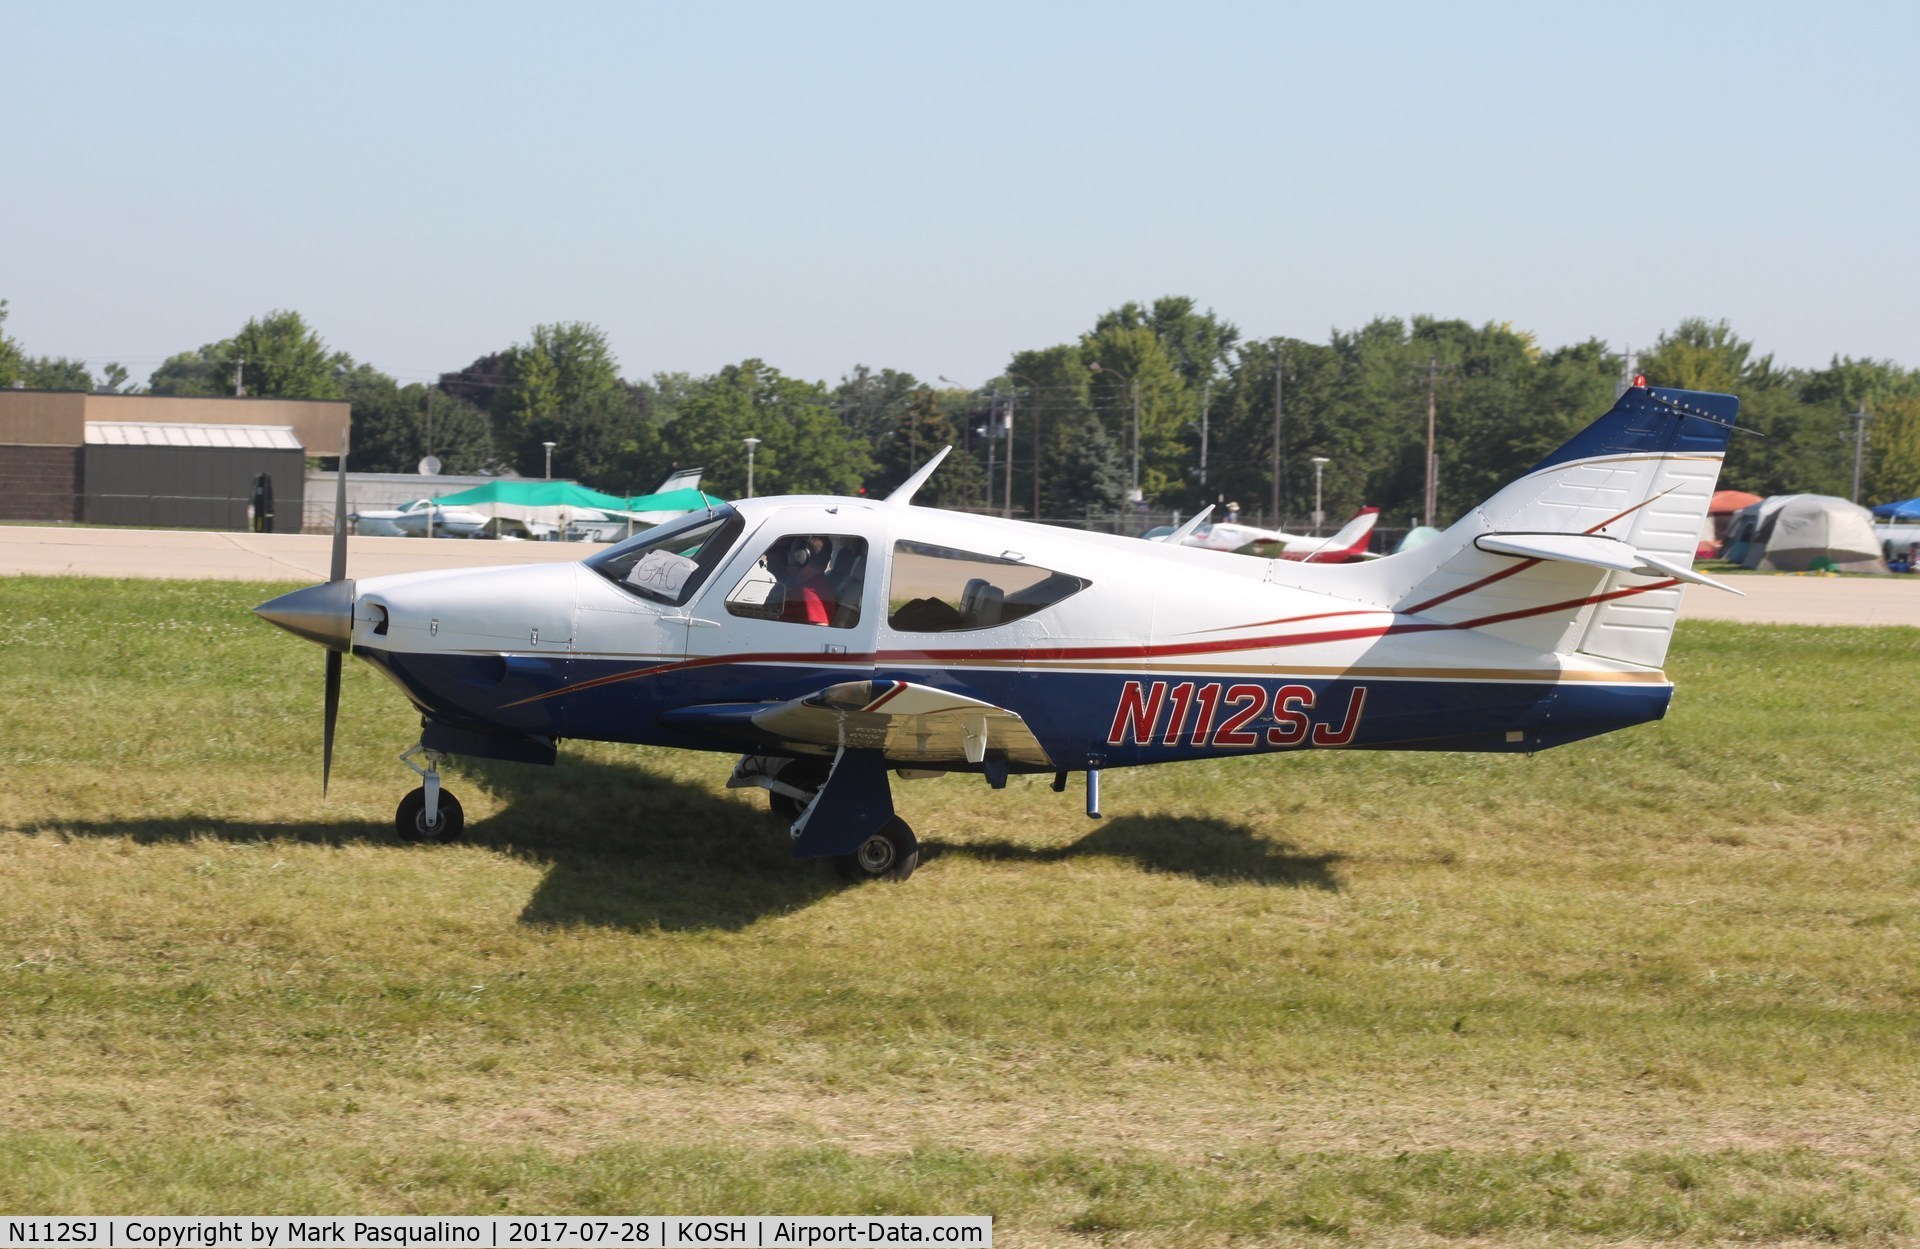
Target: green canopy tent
(532, 508)
(548, 508)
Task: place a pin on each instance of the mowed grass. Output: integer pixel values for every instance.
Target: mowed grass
(1658, 986)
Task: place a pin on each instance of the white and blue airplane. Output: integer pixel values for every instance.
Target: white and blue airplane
(833, 643)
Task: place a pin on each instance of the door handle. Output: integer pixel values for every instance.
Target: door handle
(692, 622)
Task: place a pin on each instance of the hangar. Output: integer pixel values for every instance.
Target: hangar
(187, 462)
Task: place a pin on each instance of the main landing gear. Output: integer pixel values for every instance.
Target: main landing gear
(890, 854)
(429, 813)
(840, 808)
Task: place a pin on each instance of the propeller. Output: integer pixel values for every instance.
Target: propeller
(336, 574)
(324, 614)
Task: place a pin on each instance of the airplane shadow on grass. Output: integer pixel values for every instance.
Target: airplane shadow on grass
(625, 847)
(1207, 849)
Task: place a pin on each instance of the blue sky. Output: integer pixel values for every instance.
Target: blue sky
(932, 188)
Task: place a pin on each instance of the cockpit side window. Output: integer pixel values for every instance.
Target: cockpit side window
(667, 563)
(937, 589)
(808, 578)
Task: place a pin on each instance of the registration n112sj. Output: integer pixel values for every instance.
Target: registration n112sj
(836, 644)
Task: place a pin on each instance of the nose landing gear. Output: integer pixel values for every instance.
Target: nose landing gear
(429, 813)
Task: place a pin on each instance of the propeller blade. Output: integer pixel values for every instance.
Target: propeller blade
(340, 517)
(332, 712)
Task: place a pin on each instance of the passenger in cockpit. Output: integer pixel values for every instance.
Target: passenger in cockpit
(799, 564)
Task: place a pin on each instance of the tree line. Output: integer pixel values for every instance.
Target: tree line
(1161, 403)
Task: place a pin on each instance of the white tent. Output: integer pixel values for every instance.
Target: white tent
(1795, 530)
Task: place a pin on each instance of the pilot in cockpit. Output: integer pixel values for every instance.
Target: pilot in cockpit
(799, 564)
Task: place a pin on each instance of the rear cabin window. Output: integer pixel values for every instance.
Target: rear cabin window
(936, 589)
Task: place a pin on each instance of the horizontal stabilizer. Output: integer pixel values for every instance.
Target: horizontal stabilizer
(1596, 551)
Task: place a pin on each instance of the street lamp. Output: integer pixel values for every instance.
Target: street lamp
(549, 446)
(751, 444)
(1133, 493)
(1319, 463)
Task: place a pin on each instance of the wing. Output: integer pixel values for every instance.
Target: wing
(909, 723)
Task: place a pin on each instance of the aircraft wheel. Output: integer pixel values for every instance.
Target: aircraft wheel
(807, 774)
(411, 823)
(890, 854)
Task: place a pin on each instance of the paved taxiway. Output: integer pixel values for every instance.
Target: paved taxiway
(62, 551)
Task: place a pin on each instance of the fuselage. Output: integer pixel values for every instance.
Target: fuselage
(1114, 652)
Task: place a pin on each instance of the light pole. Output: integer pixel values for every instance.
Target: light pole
(1319, 515)
(549, 446)
(1860, 420)
(751, 444)
(1133, 492)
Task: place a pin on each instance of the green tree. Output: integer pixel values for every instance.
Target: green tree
(1134, 382)
(392, 433)
(1893, 471)
(1801, 447)
(1200, 344)
(1050, 389)
(563, 386)
(872, 405)
(55, 373)
(276, 356)
(206, 371)
(803, 446)
(921, 429)
(1092, 476)
(10, 358)
(280, 357)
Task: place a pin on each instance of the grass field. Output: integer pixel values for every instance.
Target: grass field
(1661, 986)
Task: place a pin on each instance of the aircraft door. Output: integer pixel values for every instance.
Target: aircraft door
(797, 600)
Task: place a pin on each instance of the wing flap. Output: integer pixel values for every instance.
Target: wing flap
(908, 723)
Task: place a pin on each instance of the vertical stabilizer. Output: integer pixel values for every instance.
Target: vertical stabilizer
(1641, 476)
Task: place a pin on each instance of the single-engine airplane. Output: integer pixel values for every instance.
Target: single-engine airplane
(1350, 543)
(830, 642)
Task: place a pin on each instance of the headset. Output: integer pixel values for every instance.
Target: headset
(804, 552)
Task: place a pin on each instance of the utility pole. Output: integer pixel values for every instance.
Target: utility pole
(1433, 383)
(993, 414)
(1860, 420)
(1279, 424)
(1133, 384)
(1206, 399)
(1036, 459)
(239, 369)
(1006, 495)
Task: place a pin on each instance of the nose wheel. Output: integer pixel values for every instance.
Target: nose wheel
(429, 813)
(411, 822)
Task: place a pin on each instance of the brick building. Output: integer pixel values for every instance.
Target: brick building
(183, 462)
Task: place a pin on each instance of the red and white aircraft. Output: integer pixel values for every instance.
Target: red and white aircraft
(1349, 544)
(833, 643)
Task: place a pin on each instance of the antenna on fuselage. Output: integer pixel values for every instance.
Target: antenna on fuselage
(1186, 531)
(904, 494)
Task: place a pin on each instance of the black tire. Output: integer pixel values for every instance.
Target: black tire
(807, 774)
(890, 854)
(409, 820)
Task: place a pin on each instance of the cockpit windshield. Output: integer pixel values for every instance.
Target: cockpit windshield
(668, 562)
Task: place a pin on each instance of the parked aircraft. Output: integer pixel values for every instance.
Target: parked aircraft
(830, 642)
(411, 520)
(1350, 543)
